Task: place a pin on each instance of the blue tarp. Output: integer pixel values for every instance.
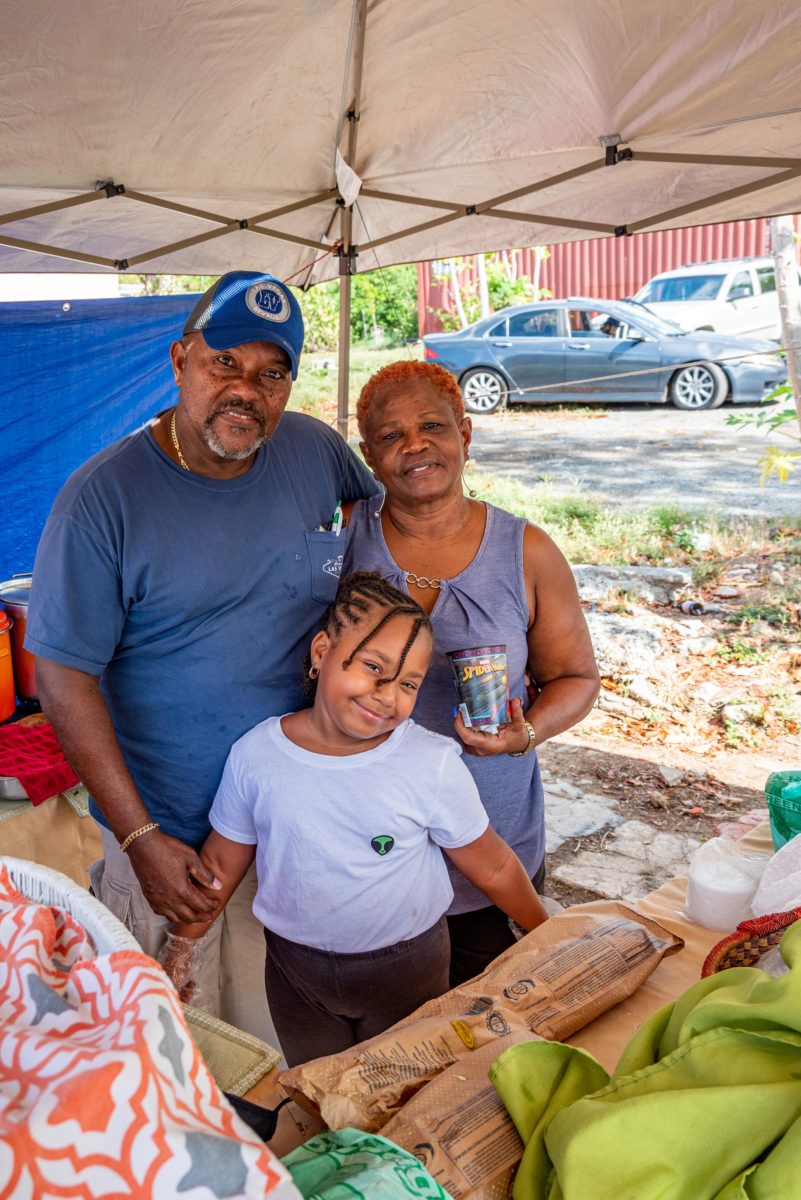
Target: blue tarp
(77, 377)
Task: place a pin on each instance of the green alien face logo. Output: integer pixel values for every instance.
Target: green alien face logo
(382, 844)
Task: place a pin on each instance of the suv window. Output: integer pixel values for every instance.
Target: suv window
(682, 287)
(742, 282)
(767, 279)
(543, 323)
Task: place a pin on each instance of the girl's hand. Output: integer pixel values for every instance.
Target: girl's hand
(508, 740)
(180, 958)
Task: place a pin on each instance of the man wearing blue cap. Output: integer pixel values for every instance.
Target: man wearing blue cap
(179, 578)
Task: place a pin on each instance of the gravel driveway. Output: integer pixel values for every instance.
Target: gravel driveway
(637, 455)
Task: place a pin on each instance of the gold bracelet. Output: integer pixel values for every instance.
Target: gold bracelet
(137, 833)
(532, 737)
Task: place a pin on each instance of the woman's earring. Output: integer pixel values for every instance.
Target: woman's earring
(377, 512)
(314, 672)
(472, 493)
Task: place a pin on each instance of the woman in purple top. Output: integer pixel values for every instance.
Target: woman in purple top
(486, 578)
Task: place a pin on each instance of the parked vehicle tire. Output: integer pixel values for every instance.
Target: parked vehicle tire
(484, 391)
(697, 386)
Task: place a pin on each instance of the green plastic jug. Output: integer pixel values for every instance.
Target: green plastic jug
(783, 798)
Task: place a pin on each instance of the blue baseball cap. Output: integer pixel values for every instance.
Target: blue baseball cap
(246, 306)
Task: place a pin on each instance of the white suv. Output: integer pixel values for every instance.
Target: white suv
(735, 295)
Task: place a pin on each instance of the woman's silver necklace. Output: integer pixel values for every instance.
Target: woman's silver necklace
(422, 581)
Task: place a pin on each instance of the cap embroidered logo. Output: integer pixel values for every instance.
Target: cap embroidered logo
(382, 844)
(268, 300)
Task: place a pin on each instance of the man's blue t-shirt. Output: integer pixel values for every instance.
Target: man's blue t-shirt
(194, 599)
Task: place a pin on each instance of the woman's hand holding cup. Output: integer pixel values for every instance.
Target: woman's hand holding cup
(512, 738)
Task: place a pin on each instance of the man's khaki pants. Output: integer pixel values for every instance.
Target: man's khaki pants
(231, 978)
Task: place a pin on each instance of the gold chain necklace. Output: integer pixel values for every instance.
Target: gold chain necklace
(422, 581)
(176, 443)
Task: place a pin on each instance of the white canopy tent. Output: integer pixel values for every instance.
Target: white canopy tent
(198, 136)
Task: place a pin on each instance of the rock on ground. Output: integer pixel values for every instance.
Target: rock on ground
(636, 859)
(656, 585)
(623, 647)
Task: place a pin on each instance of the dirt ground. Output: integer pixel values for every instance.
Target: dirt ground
(636, 455)
(708, 800)
(697, 760)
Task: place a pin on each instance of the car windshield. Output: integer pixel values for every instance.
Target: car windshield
(634, 312)
(681, 287)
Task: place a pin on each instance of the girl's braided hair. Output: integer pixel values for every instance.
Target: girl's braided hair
(360, 592)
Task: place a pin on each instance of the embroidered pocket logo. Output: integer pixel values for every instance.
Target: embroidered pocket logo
(382, 844)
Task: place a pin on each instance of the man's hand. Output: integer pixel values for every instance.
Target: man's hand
(171, 876)
(509, 738)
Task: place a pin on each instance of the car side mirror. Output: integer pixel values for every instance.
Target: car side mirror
(738, 293)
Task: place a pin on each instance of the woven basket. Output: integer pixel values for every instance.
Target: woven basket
(750, 940)
(46, 886)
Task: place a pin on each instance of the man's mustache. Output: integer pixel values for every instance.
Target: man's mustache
(246, 409)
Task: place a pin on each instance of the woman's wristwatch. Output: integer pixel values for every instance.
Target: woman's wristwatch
(532, 737)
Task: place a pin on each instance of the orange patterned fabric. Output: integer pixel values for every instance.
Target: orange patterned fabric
(102, 1090)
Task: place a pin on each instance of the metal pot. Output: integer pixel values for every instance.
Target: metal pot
(14, 597)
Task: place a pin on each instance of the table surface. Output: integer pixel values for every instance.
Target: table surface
(606, 1036)
(55, 836)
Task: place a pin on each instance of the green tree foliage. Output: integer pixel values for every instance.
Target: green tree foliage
(383, 309)
(503, 287)
(775, 460)
(320, 316)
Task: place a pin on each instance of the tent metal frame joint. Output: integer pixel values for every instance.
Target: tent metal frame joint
(110, 188)
(347, 259)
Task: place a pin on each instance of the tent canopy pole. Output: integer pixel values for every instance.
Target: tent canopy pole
(347, 256)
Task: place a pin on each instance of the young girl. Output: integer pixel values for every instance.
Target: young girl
(346, 807)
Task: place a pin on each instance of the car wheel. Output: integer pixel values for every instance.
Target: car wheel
(484, 391)
(700, 385)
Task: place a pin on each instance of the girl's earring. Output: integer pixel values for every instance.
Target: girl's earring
(377, 512)
(314, 672)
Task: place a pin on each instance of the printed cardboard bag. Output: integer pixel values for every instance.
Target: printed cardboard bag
(459, 1128)
(552, 982)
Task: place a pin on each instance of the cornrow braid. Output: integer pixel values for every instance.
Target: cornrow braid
(362, 591)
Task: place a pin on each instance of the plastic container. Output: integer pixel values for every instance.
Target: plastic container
(721, 883)
(482, 685)
(783, 798)
(8, 695)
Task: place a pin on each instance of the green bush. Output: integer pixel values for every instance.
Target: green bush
(383, 309)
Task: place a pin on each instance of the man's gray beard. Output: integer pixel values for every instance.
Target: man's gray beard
(216, 446)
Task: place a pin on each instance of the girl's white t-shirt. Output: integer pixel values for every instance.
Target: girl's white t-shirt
(348, 848)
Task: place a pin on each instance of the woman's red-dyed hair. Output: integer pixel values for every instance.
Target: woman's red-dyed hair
(395, 375)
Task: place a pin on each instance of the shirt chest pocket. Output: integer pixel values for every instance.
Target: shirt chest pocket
(325, 563)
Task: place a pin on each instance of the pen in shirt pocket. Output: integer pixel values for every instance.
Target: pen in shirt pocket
(336, 520)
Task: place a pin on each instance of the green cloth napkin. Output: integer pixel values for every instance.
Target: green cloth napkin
(705, 1103)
